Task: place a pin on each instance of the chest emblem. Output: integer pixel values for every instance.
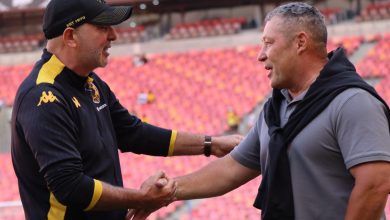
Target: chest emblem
(94, 92)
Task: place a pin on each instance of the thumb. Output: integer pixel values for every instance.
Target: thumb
(160, 174)
(161, 182)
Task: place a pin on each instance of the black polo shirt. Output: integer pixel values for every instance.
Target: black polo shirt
(66, 132)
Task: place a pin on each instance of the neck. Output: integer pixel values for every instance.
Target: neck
(67, 57)
(299, 89)
(307, 77)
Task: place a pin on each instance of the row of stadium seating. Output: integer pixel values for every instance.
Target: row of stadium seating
(333, 15)
(130, 35)
(26, 43)
(375, 11)
(350, 44)
(8, 179)
(21, 43)
(377, 64)
(204, 28)
(188, 86)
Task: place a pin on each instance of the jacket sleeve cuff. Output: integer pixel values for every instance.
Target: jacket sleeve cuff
(97, 193)
(172, 143)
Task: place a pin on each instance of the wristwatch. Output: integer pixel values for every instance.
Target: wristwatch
(207, 146)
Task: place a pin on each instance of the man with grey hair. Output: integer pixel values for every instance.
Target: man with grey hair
(322, 142)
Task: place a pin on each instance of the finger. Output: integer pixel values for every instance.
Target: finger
(238, 137)
(175, 192)
(159, 174)
(130, 214)
(172, 186)
(161, 182)
(136, 214)
(141, 215)
(168, 190)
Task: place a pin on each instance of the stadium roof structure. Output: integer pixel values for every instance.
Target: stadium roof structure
(32, 12)
(168, 6)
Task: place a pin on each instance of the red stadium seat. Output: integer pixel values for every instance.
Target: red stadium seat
(204, 28)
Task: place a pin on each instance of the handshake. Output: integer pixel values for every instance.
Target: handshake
(158, 191)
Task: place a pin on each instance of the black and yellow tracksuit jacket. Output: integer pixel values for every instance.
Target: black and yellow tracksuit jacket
(66, 133)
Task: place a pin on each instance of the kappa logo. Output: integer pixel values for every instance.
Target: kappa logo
(47, 97)
(101, 1)
(76, 102)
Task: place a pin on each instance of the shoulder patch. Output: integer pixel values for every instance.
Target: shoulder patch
(47, 98)
(50, 70)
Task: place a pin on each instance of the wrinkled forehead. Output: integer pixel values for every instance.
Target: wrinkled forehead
(275, 25)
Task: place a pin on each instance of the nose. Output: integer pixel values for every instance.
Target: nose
(112, 35)
(262, 56)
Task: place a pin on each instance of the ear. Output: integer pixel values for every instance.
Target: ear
(301, 42)
(70, 37)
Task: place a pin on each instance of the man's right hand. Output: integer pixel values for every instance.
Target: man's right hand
(157, 191)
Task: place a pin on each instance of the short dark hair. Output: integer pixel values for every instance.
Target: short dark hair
(304, 15)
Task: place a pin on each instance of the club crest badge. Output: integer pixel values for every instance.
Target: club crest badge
(94, 92)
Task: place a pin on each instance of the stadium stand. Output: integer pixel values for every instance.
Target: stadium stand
(27, 43)
(131, 35)
(7, 179)
(377, 64)
(11, 77)
(375, 11)
(21, 43)
(218, 74)
(350, 43)
(205, 28)
(332, 14)
(198, 77)
(9, 209)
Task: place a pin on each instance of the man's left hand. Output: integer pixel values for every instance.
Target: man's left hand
(222, 145)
